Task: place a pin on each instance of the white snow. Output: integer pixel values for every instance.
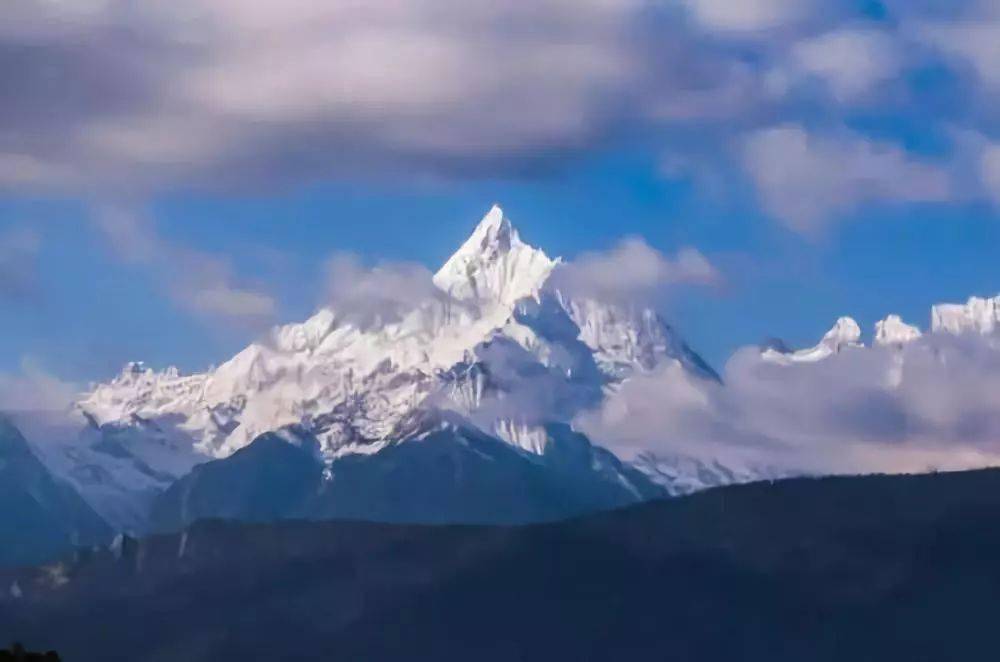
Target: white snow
(844, 334)
(893, 331)
(494, 265)
(977, 315)
(681, 474)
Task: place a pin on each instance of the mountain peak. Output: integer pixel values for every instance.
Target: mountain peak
(494, 264)
(977, 315)
(494, 229)
(494, 235)
(893, 331)
(844, 334)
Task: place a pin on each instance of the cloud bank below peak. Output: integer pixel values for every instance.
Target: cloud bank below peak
(922, 402)
(196, 281)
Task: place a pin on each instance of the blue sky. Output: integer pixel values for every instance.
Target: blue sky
(173, 179)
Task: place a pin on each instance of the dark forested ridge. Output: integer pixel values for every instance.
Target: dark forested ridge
(866, 568)
(17, 653)
(456, 474)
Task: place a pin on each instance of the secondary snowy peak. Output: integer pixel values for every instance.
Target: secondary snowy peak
(894, 332)
(494, 264)
(626, 339)
(844, 334)
(977, 315)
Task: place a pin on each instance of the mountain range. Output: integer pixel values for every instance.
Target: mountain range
(446, 401)
(452, 402)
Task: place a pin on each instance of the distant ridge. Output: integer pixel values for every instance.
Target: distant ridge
(826, 569)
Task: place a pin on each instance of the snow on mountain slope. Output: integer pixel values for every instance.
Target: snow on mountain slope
(977, 315)
(680, 474)
(626, 338)
(494, 265)
(893, 331)
(495, 345)
(845, 334)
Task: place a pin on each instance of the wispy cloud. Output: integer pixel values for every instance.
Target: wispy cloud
(34, 389)
(806, 180)
(751, 15)
(853, 63)
(989, 170)
(196, 281)
(385, 292)
(931, 404)
(972, 42)
(631, 272)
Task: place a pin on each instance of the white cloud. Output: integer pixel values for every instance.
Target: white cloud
(632, 271)
(196, 281)
(225, 92)
(222, 299)
(932, 404)
(383, 293)
(974, 42)
(121, 102)
(750, 15)
(33, 389)
(806, 180)
(989, 170)
(853, 62)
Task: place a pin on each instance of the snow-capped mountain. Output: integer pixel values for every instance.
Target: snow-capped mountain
(893, 331)
(978, 316)
(457, 406)
(494, 265)
(493, 345)
(844, 334)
